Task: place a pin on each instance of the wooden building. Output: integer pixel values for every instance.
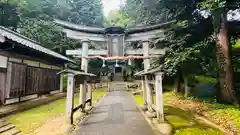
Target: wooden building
(27, 69)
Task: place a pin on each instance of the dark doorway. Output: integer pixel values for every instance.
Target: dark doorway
(118, 74)
(118, 70)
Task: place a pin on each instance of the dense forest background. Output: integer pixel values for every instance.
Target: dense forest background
(202, 43)
(34, 19)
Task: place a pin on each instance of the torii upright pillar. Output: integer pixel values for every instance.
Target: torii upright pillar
(159, 96)
(69, 104)
(148, 92)
(84, 66)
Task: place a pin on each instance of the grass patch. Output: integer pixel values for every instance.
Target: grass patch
(197, 131)
(184, 122)
(237, 45)
(30, 120)
(226, 116)
(226, 113)
(205, 79)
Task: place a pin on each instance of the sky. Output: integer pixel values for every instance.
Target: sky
(109, 5)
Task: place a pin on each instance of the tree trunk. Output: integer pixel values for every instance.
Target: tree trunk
(223, 53)
(176, 83)
(186, 88)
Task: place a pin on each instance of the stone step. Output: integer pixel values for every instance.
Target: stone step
(6, 128)
(2, 124)
(13, 131)
(2, 120)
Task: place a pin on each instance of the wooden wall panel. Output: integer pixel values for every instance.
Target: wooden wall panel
(2, 86)
(42, 81)
(26, 80)
(18, 80)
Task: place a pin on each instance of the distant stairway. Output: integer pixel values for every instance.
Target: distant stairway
(118, 86)
(7, 128)
(118, 77)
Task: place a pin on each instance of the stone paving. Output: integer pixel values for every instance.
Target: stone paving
(117, 114)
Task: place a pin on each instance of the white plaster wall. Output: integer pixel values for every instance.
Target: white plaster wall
(3, 61)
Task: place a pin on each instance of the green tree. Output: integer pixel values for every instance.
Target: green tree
(118, 18)
(157, 11)
(85, 12)
(34, 19)
(187, 13)
(45, 31)
(9, 15)
(219, 10)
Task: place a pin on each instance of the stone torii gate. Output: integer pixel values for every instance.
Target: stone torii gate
(115, 39)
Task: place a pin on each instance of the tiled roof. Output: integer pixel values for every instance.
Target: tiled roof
(30, 43)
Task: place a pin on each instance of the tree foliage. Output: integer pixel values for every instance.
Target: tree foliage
(200, 22)
(118, 18)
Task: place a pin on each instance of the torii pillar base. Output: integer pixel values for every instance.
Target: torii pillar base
(144, 106)
(69, 100)
(88, 105)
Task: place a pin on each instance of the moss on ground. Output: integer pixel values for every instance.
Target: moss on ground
(227, 114)
(31, 119)
(184, 122)
(205, 79)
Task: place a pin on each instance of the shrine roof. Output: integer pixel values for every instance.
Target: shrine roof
(30, 44)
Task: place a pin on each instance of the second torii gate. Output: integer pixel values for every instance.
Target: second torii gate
(115, 39)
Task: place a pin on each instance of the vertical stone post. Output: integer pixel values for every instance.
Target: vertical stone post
(149, 94)
(84, 66)
(146, 54)
(61, 82)
(89, 97)
(109, 88)
(143, 88)
(159, 96)
(69, 100)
